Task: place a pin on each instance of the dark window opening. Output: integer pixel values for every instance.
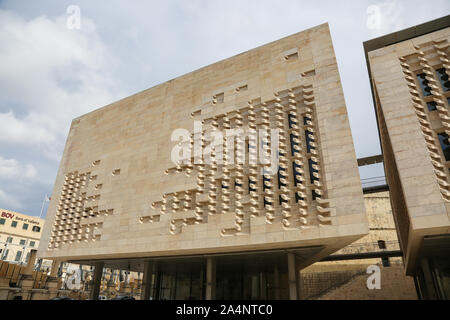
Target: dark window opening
(445, 145)
(312, 170)
(309, 147)
(14, 224)
(281, 200)
(431, 106)
(36, 229)
(298, 198)
(292, 120)
(305, 119)
(291, 136)
(381, 244)
(315, 195)
(250, 184)
(386, 262)
(423, 82)
(443, 78)
(297, 175)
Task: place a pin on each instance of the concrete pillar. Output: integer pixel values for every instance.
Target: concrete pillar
(292, 276)
(210, 278)
(96, 281)
(276, 277)
(157, 272)
(31, 262)
(430, 289)
(52, 281)
(27, 281)
(147, 280)
(202, 273)
(262, 286)
(54, 269)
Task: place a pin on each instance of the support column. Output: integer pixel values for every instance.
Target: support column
(292, 276)
(276, 276)
(157, 281)
(52, 281)
(210, 278)
(96, 281)
(27, 277)
(430, 290)
(262, 286)
(147, 280)
(54, 269)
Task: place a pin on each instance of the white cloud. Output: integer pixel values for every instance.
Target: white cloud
(9, 201)
(12, 169)
(49, 75)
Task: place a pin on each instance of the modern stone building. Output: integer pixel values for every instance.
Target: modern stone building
(409, 73)
(19, 234)
(199, 228)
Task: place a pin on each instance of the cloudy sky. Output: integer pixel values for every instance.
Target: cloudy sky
(50, 74)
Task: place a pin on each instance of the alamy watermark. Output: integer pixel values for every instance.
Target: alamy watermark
(226, 147)
(374, 280)
(73, 21)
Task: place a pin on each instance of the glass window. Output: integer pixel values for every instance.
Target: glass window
(14, 224)
(25, 226)
(385, 261)
(27, 257)
(443, 78)
(5, 254)
(423, 82)
(445, 145)
(22, 242)
(9, 240)
(18, 256)
(2, 221)
(36, 229)
(32, 243)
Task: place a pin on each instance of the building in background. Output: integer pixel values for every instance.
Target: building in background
(201, 230)
(409, 74)
(343, 275)
(19, 234)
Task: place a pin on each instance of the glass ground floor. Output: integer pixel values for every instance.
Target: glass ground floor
(271, 274)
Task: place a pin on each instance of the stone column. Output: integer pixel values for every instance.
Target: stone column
(292, 276)
(276, 276)
(147, 280)
(27, 276)
(96, 281)
(210, 278)
(52, 280)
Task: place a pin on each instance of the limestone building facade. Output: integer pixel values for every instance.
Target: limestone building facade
(119, 200)
(409, 72)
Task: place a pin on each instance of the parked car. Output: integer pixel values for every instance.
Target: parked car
(102, 298)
